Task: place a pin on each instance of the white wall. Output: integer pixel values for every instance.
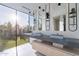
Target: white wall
(56, 10)
(63, 10)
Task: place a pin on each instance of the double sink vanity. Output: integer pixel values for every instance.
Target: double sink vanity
(54, 42)
(56, 38)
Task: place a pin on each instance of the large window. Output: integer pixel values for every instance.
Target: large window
(7, 29)
(13, 25)
(22, 27)
(22, 21)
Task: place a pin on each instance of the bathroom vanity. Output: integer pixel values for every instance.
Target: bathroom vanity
(54, 44)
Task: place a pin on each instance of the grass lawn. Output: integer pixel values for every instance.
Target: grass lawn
(6, 44)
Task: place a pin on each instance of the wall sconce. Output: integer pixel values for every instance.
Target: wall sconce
(72, 17)
(47, 15)
(43, 10)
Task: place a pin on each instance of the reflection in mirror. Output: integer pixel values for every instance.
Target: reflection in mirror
(35, 24)
(47, 25)
(31, 23)
(60, 23)
(40, 24)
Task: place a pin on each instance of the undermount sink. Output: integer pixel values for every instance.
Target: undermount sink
(36, 34)
(54, 36)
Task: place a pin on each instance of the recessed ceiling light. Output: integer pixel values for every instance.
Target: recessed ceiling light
(39, 7)
(59, 4)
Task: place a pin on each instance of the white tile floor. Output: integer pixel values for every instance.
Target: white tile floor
(23, 50)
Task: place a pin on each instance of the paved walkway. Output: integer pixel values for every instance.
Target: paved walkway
(23, 50)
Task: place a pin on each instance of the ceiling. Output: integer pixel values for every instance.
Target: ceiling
(33, 7)
(25, 7)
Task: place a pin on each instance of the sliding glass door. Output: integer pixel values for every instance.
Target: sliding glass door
(13, 27)
(7, 31)
(22, 29)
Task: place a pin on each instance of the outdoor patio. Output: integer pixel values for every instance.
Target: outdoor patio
(23, 50)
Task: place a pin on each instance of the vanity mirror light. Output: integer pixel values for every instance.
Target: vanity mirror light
(59, 23)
